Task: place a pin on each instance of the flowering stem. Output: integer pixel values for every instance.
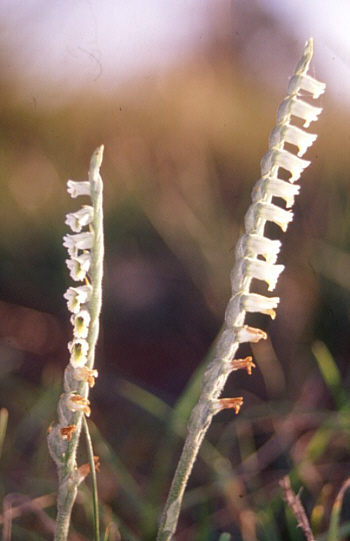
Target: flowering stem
(86, 251)
(256, 255)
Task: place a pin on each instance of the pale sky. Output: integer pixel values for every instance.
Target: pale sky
(59, 43)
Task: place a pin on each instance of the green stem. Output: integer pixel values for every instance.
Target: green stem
(94, 481)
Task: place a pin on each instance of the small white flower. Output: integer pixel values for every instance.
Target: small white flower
(300, 108)
(79, 266)
(250, 334)
(255, 268)
(266, 211)
(252, 302)
(78, 349)
(77, 296)
(282, 158)
(78, 188)
(77, 220)
(275, 187)
(305, 82)
(248, 302)
(252, 244)
(81, 322)
(78, 241)
(293, 135)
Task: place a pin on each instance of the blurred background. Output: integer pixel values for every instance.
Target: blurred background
(183, 95)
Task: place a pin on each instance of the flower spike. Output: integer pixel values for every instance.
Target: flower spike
(256, 255)
(85, 264)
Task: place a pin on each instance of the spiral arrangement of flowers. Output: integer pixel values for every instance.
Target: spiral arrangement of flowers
(256, 257)
(85, 264)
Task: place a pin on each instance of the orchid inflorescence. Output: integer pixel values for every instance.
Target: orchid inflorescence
(256, 257)
(85, 265)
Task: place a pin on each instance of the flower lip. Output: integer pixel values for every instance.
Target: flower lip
(80, 322)
(75, 188)
(78, 348)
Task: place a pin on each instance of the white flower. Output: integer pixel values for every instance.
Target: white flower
(77, 220)
(78, 188)
(282, 158)
(249, 334)
(293, 135)
(294, 106)
(266, 211)
(252, 244)
(76, 296)
(275, 187)
(249, 302)
(255, 268)
(78, 349)
(79, 266)
(78, 241)
(252, 302)
(305, 82)
(81, 322)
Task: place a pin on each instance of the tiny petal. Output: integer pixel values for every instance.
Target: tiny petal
(247, 364)
(75, 188)
(78, 351)
(225, 403)
(88, 375)
(261, 270)
(293, 135)
(78, 241)
(266, 211)
(77, 220)
(77, 296)
(79, 266)
(300, 108)
(75, 402)
(275, 187)
(81, 322)
(305, 82)
(282, 158)
(249, 334)
(252, 244)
